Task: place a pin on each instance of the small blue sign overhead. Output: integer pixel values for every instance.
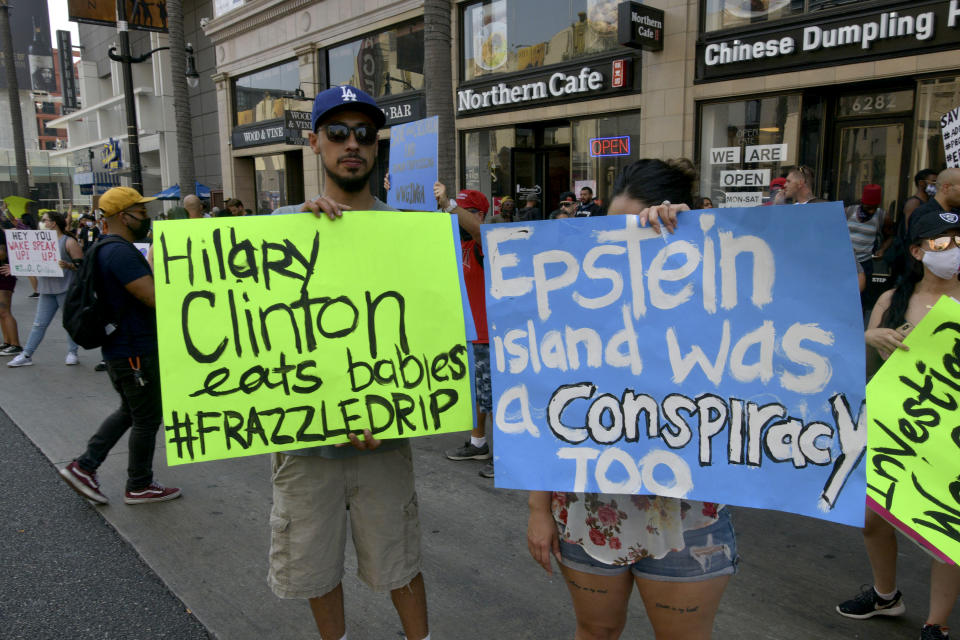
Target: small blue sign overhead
(413, 165)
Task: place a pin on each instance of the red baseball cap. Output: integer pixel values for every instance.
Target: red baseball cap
(872, 195)
(470, 199)
(778, 182)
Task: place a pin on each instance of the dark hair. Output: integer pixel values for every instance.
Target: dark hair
(586, 188)
(653, 181)
(60, 221)
(233, 202)
(923, 176)
(896, 313)
(698, 203)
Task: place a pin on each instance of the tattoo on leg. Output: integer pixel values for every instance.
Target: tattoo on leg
(661, 605)
(581, 588)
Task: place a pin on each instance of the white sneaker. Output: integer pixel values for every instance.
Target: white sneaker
(22, 360)
(71, 359)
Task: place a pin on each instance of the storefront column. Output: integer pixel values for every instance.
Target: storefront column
(308, 56)
(225, 124)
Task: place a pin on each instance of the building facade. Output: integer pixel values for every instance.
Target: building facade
(551, 96)
(97, 142)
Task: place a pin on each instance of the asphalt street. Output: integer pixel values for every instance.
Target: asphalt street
(66, 572)
(74, 570)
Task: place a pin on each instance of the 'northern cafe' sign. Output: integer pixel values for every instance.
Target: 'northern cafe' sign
(531, 90)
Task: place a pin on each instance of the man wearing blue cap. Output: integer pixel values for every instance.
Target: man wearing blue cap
(315, 489)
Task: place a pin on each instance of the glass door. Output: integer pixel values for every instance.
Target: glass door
(527, 176)
(870, 153)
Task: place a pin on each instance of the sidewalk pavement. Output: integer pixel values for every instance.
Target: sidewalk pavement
(210, 546)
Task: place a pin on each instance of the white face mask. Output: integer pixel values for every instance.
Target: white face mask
(943, 264)
(931, 190)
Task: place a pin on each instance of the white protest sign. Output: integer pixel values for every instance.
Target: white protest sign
(950, 129)
(33, 253)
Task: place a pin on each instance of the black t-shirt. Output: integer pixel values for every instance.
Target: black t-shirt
(588, 210)
(87, 236)
(118, 264)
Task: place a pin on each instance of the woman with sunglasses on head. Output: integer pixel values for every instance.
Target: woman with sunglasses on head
(52, 289)
(608, 544)
(933, 260)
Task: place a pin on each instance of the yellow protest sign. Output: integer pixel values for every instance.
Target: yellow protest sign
(913, 465)
(285, 332)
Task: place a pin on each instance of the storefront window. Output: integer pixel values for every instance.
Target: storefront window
(382, 64)
(486, 161)
(724, 14)
(599, 171)
(259, 95)
(744, 145)
(935, 97)
(271, 180)
(500, 36)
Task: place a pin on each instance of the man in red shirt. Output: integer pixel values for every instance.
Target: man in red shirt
(471, 207)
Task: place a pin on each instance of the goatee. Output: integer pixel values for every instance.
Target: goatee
(350, 184)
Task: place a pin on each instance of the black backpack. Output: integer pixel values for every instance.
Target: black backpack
(85, 316)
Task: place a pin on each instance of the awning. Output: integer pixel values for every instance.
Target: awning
(173, 193)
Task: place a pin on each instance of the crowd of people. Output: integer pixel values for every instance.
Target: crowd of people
(371, 482)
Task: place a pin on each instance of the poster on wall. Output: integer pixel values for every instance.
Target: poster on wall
(32, 54)
(950, 129)
(490, 36)
(141, 15)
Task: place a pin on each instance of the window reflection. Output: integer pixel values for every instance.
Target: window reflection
(724, 14)
(260, 95)
(512, 35)
(382, 64)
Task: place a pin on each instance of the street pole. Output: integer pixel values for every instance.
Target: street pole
(133, 140)
(13, 92)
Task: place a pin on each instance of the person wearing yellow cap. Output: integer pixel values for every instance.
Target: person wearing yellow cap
(124, 282)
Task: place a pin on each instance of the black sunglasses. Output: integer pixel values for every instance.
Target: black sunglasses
(366, 134)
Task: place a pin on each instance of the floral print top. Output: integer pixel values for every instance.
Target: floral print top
(624, 529)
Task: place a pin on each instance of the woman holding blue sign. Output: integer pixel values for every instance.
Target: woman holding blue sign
(679, 553)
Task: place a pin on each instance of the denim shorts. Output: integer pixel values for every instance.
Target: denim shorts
(710, 552)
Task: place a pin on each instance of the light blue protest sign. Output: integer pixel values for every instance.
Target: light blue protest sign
(723, 363)
(413, 165)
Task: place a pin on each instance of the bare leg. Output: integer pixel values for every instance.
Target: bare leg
(944, 591)
(480, 429)
(411, 605)
(682, 610)
(880, 539)
(328, 614)
(33, 282)
(8, 324)
(599, 602)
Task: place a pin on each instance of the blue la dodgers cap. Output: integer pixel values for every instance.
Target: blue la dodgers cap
(345, 98)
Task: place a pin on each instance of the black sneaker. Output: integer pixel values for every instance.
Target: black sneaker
(101, 366)
(487, 471)
(34, 295)
(934, 632)
(470, 452)
(10, 350)
(868, 604)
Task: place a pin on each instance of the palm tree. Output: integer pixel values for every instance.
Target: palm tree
(438, 80)
(181, 99)
(13, 94)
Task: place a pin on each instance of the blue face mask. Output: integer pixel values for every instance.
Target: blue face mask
(931, 190)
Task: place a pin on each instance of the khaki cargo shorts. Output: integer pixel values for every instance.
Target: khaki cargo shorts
(308, 522)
